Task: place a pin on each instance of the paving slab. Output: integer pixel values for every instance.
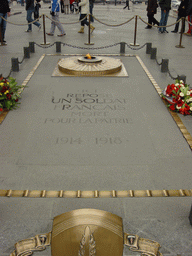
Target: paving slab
(130, 143)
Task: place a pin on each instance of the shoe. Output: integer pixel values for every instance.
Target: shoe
(61, 35)
(174, 31)
(28, 30)
(4, 43)
(81, 30)
(39, 28)
(166, 31)
(187, 34)
(148, 27)
(49, 34)
(92, 28)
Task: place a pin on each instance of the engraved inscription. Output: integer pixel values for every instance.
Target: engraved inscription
(96, 141)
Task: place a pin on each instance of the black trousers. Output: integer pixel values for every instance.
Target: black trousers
(152, 20)
(85, 21)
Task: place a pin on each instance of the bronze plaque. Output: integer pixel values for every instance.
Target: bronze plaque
(87, 232)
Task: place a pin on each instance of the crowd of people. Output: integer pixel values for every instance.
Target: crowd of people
(184, 10)
(86, 6)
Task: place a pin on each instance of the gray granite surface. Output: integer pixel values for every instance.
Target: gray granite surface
(132, 142)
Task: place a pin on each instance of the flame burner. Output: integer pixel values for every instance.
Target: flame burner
(96, 66)
(93, 59)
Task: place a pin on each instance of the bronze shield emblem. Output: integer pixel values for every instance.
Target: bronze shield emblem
(87, 232)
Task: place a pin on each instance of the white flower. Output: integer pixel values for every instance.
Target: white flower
(181, 94)
(188, 93)
(188, 100)
(181, 82)
(176, 84)
(178, 107)
(191, 108)
(182, 85)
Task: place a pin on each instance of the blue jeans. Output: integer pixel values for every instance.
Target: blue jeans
(29, 19)
(163, 21)
(3, 24)
(91, 11)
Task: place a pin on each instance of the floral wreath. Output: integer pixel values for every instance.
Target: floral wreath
(179, 97)
(9, 93)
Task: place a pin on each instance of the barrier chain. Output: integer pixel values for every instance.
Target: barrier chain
(138, 48)
(45, 46)
(174, 78)
(20, 62)
(158, 62)
(117, 25)
(90, 48)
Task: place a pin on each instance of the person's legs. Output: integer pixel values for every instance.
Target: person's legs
(165, 20)
(3, 26)
(29, 19)
(128, 5)
(149, 21)
(62, 6)
(72, 8)
(91, 11)
(37, 24)
(84, 20)
(58, 24)
(161, 21)
(154, 21)
(53, 25)
(176, 26)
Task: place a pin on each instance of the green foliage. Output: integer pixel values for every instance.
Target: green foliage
(9, 93)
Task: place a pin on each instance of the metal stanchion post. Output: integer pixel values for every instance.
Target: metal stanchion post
(26, 52)
(135, 34)
(182, 28)
(58, 46)
(164, 65)
(32, 47)
(153, 53)
(44, 32)
(182, 77)
(15, 64)
(89, 32)
(148, 48)
(122, 47)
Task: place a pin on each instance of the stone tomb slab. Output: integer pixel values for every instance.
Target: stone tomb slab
(100, 122)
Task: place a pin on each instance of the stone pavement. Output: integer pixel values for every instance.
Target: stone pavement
(117, 136)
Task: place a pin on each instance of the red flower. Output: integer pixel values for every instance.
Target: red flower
(185, 110)
(1, 109)
(180, 103)
(4, 88)
(16, 100)
(172, 107)
(8, 96)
